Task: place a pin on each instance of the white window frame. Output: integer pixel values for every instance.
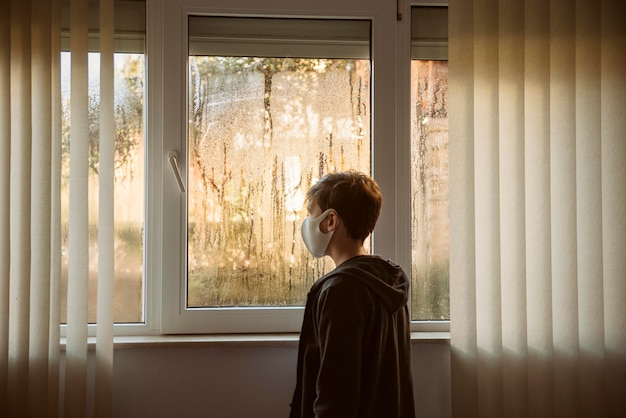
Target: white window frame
(130, 36)
(404, 46)
(164, 246)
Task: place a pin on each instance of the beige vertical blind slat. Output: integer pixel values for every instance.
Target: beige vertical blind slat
(487, 247)
(5, 171)
(40, 214)
(613, 128)
(563, 206)
(55, 214)
(462, 260)
(589, 210)
(19, 205)
(78, 273)
(537, 193)
(106, 259)
(512, 214)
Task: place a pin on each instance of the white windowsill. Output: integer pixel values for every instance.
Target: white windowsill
(268, 340)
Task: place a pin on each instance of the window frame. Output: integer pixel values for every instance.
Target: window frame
(166, 27)
(130, 36)
(403, 164)
(405, 47)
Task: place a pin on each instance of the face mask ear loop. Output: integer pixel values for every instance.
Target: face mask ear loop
(316, 240)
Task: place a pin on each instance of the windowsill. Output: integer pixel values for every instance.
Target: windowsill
(267, 340)
(207, 340)
(442, 337)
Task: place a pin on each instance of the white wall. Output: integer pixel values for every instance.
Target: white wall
(219, 380)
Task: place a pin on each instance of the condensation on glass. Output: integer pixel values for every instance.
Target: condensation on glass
(273, 105)
(429, 165)
(129, 79)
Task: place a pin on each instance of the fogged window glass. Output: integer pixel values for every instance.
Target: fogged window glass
(274, 104)
(429, 165)
(128, 186)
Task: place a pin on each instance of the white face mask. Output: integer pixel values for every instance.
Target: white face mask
(315, 240)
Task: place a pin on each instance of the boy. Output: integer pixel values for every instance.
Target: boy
(354, 356)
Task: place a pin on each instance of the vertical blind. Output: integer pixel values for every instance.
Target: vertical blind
(538, 207)
(31, 380)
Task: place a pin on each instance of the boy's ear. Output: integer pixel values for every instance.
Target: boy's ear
(333, 220)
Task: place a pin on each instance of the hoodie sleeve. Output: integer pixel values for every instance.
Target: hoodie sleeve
(340, 317)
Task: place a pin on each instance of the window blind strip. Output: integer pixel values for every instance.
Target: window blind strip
(462, 208)
(304, 38)
(537, 208)
(78, 269)
(613, 146)
(589, 210)
(55, 214)
(19, 228)
(5, 175)
(130, 26)
(512, 213)
(106, 257)
(39, 330)
(429, 33)
(488, 311)
(563, 207)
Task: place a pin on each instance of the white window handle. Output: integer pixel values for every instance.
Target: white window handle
(173, 157)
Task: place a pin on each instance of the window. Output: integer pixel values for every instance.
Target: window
(129, 159)
(229, 257)
(272, 105)
(429, 164)
(210, 207)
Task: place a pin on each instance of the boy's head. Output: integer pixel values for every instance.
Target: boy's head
(355, 196)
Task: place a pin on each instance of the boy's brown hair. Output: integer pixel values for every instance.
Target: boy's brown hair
(355, 196)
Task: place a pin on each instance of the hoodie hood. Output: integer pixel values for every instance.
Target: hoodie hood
(385, 278)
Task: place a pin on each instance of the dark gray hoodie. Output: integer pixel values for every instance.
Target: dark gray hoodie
(354, 357)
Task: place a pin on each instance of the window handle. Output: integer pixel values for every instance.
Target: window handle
(173, 157)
